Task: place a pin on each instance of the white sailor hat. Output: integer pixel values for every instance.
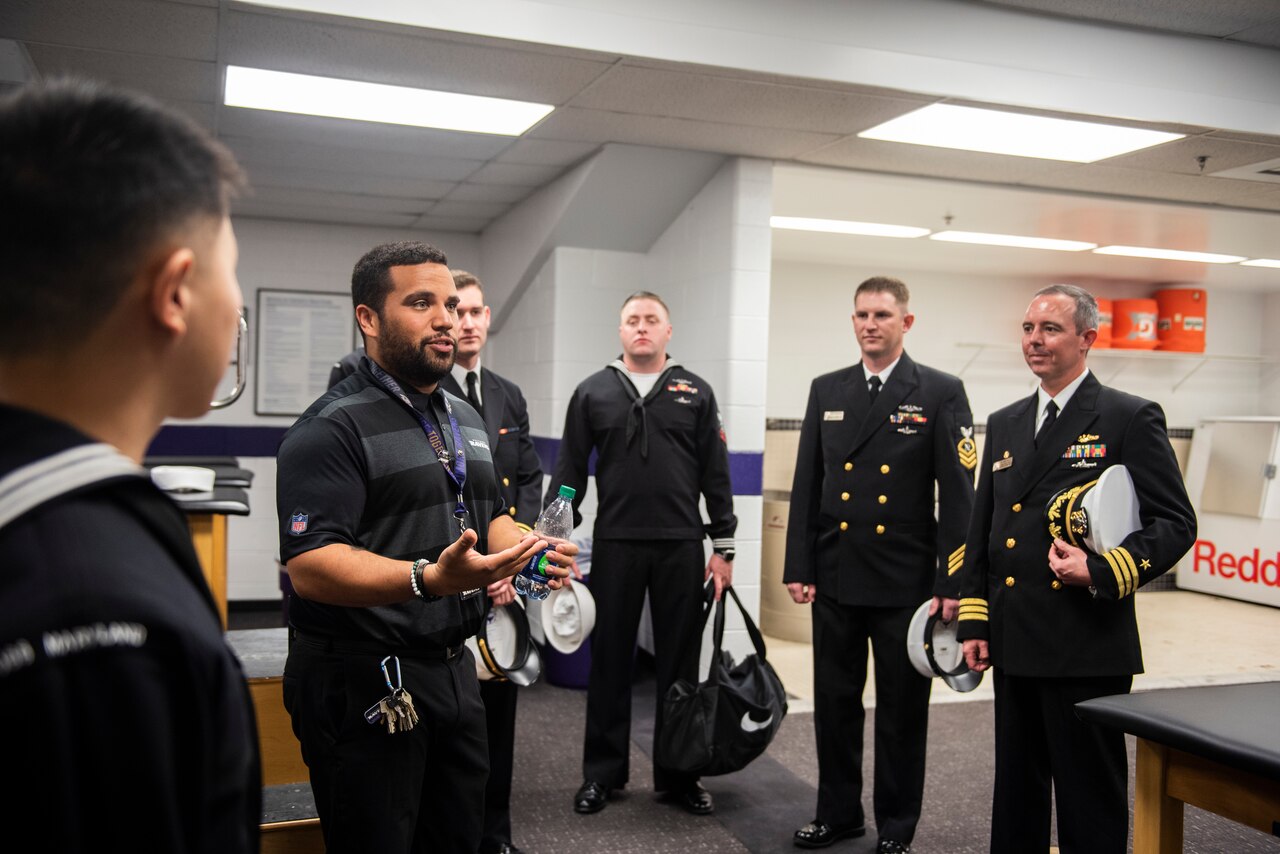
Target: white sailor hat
(567, 617)
(502, 648)
(1097, 515)
(934, 650)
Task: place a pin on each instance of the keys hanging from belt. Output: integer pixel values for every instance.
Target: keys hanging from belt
(396, 709)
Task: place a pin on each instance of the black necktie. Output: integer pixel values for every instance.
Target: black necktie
(472, 394)
(1050, 416)
(873, 387)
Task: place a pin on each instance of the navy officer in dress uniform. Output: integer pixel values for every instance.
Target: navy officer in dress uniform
(865, 547)
(506, 418)
(1057, 623)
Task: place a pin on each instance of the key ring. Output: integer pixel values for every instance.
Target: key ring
(387, 676)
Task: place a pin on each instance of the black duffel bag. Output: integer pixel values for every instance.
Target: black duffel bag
(718, 726)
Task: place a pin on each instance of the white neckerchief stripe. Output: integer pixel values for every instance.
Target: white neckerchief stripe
(45, 479)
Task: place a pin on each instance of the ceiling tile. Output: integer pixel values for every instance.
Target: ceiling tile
(1180, 155)
(880, 156)
(546, 152)
(403, 57)
(506, 193)
(715, 98)
(295, 213)
(468, 210)
(463, 225)
(361, 183)
(602, 126)
(1268, 201)
(270, 153)
(367, 136)
(518, 174)
(307, 199)
(146, 27)
(1220, 18)
(162, 77)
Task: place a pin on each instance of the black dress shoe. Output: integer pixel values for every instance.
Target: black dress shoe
(892, 846)
(591, 797)
(694, 799)
(819, 834)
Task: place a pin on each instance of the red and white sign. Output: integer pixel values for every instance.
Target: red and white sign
(1234, 556)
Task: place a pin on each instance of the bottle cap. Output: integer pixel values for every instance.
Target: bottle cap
(568, 492)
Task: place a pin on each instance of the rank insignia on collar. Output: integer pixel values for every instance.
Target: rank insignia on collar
(966, 449)
(1087, 437)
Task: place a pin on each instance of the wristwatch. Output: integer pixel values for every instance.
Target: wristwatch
(727, 554)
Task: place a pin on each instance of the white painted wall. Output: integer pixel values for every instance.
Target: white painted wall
(811, 333)
(711, 266)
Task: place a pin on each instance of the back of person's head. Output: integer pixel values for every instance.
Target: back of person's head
(895, 288)
(93, 181)
(371, 278)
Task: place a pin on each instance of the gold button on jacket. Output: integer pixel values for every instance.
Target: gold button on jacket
(1008, 582)
(879, 529)
(844, 526)
(884, 469)
(848, 466)
(844, 496)
(1017, 508)
(1056, 584)
(1010, 543)
(883, 498)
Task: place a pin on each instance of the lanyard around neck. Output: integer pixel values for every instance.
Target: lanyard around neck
(456, 468)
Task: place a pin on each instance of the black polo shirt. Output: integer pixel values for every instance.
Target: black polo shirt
(358, 469)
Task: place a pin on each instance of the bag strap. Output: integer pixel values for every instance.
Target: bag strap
(757, 640)
(37, 483)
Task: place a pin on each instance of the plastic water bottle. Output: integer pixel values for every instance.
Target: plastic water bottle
(554, 525)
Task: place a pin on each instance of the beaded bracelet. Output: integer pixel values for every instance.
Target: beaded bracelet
(415, 580)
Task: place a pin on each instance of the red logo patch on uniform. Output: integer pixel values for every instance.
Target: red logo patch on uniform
(298, 523)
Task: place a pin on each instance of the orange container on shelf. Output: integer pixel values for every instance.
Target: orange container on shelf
(1104, 325)
(1133, 324)
(1180, 321)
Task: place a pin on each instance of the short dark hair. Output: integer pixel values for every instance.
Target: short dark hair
(885, 285)
(1086, 313)
(463, 279)
(646, 295)
(371, 278)
(92, 179)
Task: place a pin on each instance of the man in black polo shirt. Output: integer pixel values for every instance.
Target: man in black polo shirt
(392, 524)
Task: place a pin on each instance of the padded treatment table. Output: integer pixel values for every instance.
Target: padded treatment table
(289, 822)
(1217, 748)
(207, 514)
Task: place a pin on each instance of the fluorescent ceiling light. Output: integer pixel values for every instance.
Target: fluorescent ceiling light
(844, 226)
(1261, 262)
(1169, 254)
(280, 91)
(1012, 240)
(995, 132)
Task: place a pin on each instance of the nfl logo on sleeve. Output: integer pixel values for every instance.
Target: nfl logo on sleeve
(298, 523)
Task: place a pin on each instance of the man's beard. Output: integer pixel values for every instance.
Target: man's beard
(413, 362)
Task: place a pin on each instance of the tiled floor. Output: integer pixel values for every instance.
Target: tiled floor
(1187, 639)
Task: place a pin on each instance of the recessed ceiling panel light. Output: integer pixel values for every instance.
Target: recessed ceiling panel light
(1261, 262)
(280, 91)
(995, 132)
(845, 226)
(1169, 254)
(1015, 240)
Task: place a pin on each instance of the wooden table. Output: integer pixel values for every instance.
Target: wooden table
(207, 518)
(1216, 748)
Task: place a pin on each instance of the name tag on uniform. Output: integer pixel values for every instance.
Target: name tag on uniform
(833, 415)
(1000, 465)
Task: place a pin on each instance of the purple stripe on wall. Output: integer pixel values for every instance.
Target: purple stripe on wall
(746, 468)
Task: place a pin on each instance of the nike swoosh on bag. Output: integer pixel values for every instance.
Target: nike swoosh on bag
(749, 725)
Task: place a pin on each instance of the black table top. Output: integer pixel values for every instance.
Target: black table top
(1236, 725)
(261, 651)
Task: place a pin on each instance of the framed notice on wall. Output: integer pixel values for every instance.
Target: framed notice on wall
(300, 334)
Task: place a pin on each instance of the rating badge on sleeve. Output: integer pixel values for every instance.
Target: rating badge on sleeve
(966, 448)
